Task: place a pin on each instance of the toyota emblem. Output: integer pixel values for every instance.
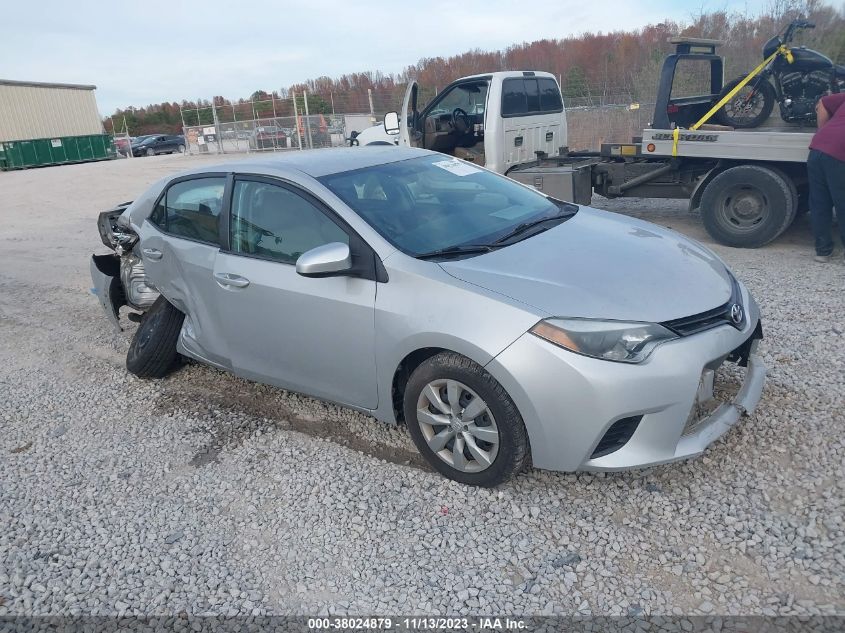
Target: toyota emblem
(737, 314)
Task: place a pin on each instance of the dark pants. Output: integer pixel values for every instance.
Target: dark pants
(827, 190)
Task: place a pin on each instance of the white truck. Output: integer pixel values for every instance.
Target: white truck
(748, 185)
(498, 120)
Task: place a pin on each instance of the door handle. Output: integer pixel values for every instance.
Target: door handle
(152, 253)
(228, 279)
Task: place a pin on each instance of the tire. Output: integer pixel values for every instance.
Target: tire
(508, 454)
(748, 206)
(758, 93)
(151, 152)
(181, 149)
(152, 353)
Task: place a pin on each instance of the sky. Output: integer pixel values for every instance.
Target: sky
(139, 52)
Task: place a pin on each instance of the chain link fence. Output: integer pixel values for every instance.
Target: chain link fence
(283, 124)
(268, 134)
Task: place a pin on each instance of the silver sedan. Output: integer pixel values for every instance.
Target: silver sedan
(503, 327)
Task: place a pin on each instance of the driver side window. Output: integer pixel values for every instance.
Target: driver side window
(276, 223)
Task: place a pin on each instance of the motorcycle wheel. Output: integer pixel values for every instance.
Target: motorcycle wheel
(749, 107)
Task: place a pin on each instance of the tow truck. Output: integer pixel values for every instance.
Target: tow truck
(747, 185)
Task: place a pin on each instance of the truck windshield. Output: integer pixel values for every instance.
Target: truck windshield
(436, 203)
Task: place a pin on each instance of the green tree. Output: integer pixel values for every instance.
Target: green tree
(575, 83)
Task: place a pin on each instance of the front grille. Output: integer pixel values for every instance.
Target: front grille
(617, 436)
(723, 315)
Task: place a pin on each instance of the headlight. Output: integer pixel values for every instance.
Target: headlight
(620, 341)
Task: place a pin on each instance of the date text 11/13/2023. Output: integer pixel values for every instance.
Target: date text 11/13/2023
(418, 623)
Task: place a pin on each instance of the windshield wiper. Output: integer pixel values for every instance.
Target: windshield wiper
(521, 228)
(460, 249)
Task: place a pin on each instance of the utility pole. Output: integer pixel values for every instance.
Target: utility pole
(296, 120)
(216, 127)
(307, 121)
(372, 110)
(184, 131)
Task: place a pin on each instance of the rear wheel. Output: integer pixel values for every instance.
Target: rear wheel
(181, 148)
(463, 421)
(749, 107)
(152, 353)
(748, 206)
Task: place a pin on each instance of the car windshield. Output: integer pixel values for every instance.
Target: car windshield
(433, 203)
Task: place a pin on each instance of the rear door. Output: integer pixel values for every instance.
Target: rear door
(313, 335)
(180, 241)
(532, 114)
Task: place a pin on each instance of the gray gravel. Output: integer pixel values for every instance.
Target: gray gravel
(208, 494)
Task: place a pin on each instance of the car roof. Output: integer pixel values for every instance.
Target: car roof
(318, 162)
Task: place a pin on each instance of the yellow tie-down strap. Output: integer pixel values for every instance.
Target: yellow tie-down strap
(782, 50)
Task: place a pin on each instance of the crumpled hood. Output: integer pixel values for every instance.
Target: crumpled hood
(603, 265)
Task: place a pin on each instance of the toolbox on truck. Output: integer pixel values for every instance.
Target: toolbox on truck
(566, 182)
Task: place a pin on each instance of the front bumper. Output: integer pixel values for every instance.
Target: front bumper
(120, 281)
(568, 402)
(105, 275)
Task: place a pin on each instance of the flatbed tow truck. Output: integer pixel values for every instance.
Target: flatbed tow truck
(748, 185)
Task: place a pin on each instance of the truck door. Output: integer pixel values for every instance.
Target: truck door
(532, 119)
(409, 117)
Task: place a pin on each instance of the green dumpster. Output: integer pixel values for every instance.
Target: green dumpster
(55, 151)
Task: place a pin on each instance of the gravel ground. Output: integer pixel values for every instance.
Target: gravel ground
(208, 494)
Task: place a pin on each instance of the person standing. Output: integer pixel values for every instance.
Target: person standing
(826, 173)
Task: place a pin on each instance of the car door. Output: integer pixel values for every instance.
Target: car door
(313, 335)
(179, 243)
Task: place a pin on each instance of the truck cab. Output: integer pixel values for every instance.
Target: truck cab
(497, 120)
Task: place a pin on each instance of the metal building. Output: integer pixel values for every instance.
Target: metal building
(50, 123)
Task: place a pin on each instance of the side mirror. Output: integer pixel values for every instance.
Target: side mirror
(391, 123)
(325, 261)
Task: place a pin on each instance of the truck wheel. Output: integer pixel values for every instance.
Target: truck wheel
(464, 423)
(747, 206)
(152, 353)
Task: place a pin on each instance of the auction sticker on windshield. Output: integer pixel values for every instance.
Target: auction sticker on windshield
(457, 167)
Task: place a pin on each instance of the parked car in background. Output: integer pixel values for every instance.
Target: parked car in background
(122, 145)
(268, 137)
(501, 325)
(153, 144)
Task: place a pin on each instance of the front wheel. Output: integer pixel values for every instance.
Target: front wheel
(181, 149)
(152, 353)
(151, 152)
(464, 423)
(750, 106)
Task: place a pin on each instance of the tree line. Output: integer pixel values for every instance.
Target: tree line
(619, 67)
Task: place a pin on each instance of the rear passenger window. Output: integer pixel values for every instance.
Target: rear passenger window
(191, 209)
(513, 98)
(529, 95)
